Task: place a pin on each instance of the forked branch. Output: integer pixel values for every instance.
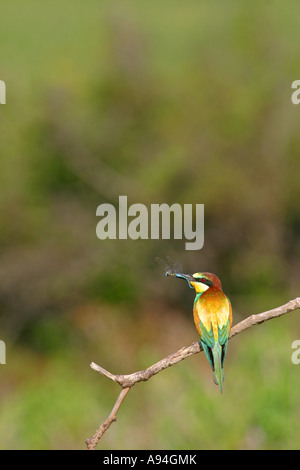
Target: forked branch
(128, 381)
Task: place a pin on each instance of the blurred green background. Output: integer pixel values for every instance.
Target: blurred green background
(185, 102)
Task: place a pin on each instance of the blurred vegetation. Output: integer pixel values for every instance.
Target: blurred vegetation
(163, 102)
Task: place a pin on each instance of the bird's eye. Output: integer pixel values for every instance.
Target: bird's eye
(203, 279)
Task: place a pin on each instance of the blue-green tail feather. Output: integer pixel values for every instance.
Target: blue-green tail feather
(215, 351)
(218, 374)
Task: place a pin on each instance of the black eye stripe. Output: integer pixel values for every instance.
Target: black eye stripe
(204, 280)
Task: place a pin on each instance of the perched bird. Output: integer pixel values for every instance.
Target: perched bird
(213, 318)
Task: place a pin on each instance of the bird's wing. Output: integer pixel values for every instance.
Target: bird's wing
(213, 318)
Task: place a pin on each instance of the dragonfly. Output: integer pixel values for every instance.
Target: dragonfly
(170, 267)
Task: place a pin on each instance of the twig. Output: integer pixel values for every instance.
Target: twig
(93, 441)
(128, 381)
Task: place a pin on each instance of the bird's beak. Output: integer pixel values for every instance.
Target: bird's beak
(188, 277)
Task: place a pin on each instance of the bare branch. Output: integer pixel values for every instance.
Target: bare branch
(93, 441)
(103, 371)
(262, 317)
(128, 381)
(143, 375)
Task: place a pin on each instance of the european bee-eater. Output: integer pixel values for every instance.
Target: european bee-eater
(213, 318)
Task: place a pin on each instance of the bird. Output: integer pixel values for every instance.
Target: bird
(212, 314)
